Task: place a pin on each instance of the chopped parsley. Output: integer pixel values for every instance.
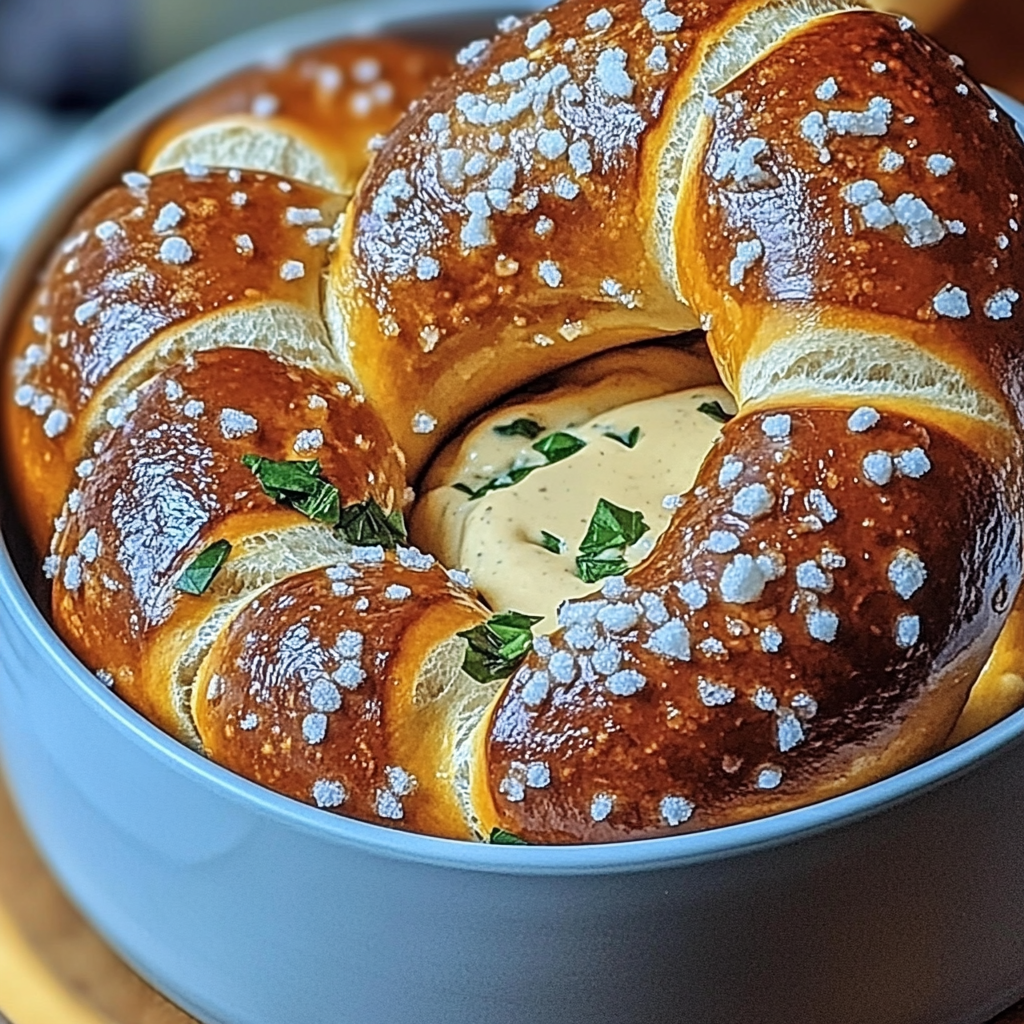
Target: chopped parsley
(558, 446)
(367, 523)
(554, 448)
(520, 428)
(199, 573)
(591, 568)
(715, 411)
(551, 543)
(612, 529)
(513, 476)
(497, 646)
(629, 439)
(502, 837)
(298, 484)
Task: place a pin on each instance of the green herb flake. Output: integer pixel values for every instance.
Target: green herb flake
(366, 523)
(591, 568)
(558, 446)
(628, 439)
(551, 543)
(612, 527)
(502, 837)
(397, 522)
(554, 448)
(611, 531)
(520, 428)
(509, 479)
(496, 647)
(324, 505)
(297, 483)
(715, 411)
(200, 572)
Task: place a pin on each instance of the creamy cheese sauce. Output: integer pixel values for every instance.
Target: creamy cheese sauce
(498, 537)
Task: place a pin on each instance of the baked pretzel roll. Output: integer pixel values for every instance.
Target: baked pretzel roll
(309, 116)
(171, 483)
(342, 687)
(151, 271)
(817, 608)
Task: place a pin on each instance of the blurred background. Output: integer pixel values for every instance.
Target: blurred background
(61, 60)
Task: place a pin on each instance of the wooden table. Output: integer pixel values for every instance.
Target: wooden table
(55, 970)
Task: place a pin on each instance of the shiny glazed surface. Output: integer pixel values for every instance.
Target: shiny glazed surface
(704, 939)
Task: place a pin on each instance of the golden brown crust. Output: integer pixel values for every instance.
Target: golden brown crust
(310, 690)
(776, 244)
(334, 98)
(138, 267)
(880, 186)
(493, 239)
(809, 622)
(170, 481)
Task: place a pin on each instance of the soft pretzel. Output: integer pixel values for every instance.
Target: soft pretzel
(308, 115)
(819, 186)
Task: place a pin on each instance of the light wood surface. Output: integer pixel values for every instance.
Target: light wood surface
(55, 970)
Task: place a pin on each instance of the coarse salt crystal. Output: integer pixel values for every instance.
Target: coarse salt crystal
(601, 806)
(878, 467)
(908, 630)
(753, 501)
(907, 573)
(328, 793)
(612, 77)
(913, 463)
(235, 424)
(828, 90)
(549, 272)
(676, 810)
(747, 254)
(56, 423)
(538, 34)
(952, 302)
(471, 51)
(175, 251)
(169, 217)
(423, 423)
(862, 419)
(625, 683)
(308, 441)
(777, 427)
(302, 216)
(1000, 305)
(671, 640)
(742, 580)
(822, 625)
(939, 164)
